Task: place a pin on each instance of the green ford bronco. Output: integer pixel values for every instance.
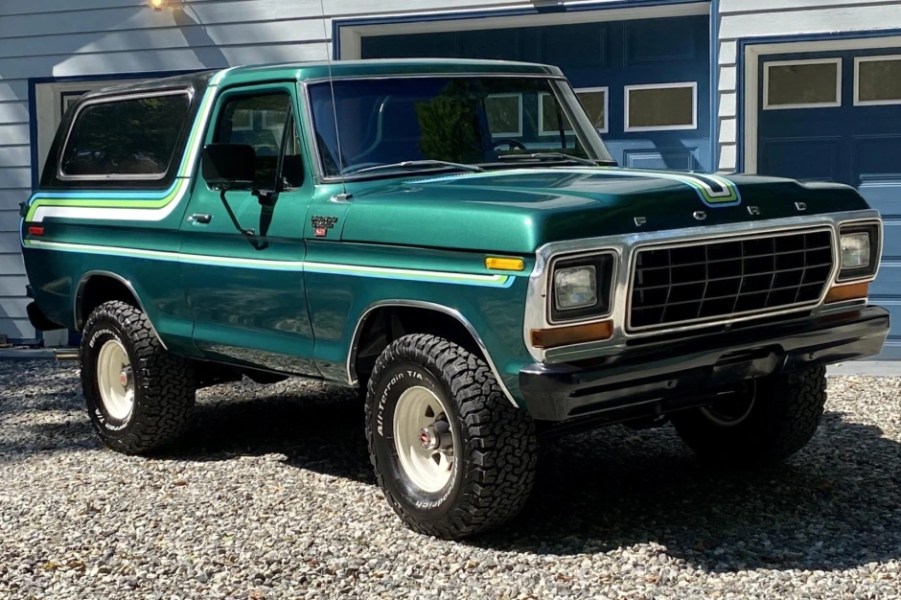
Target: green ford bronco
(453, 239)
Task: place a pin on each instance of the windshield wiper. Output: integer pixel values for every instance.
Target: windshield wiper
(416, 164)
(549, 156)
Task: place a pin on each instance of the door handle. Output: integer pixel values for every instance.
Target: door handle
(201, 219)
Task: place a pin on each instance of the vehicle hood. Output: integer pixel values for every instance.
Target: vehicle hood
(519, 210)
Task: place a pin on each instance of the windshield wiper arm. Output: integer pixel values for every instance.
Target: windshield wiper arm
(540, 156)
(417, 164)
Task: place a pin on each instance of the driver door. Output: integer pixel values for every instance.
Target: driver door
(243, 252)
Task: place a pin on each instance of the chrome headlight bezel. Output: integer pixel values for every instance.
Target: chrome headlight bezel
(867, 270)
(604, 267)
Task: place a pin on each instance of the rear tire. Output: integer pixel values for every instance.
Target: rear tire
(453, 456)
(139, 397)
(782, 415)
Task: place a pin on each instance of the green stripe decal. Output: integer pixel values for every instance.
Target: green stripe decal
(494, 280)
(728, 193)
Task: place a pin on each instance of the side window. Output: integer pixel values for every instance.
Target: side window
(125, 138)
(261, 121)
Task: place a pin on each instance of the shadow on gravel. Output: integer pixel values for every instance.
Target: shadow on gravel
(320, 429)
(833, 506)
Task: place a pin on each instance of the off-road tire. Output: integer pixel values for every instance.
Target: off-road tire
(164, 384)
(786, 412)
(494, 471)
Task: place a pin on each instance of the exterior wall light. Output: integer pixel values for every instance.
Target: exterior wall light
(158, 5)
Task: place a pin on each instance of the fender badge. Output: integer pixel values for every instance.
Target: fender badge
(699, 215)
(321, 225)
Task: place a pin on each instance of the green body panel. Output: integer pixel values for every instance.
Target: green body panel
(294, 302)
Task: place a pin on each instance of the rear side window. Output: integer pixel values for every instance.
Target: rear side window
(125, 138)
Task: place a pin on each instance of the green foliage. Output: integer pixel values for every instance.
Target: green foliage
(450, 128)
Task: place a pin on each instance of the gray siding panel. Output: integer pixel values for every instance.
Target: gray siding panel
(13, 111)
(12, 285)
(18, 155)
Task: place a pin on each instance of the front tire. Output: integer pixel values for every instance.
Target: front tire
(138, 396)
(453, 456)
(778, 418)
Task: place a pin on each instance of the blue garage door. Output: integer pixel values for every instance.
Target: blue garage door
(646, 83)
(837, 117)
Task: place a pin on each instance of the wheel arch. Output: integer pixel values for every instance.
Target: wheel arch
(386, 320)
(96, 287)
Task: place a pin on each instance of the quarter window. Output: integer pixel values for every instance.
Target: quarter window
(125, 138)
(802, 84)
(877, 80)
(661, 106)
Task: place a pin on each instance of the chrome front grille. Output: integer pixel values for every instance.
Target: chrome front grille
(711, 281)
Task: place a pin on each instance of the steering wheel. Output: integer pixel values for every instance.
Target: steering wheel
(512, 144)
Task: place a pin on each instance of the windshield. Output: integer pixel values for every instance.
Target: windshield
(445, 122)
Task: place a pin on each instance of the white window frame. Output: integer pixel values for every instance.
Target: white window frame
(517, 133)
(857, 61)
(660, 86)
(542, 132)
(606, 91)
(812, 61)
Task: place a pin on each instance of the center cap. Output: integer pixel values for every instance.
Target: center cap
(428, 438)
(123, 378)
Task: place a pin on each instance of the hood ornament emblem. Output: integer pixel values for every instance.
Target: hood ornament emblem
(639, 221)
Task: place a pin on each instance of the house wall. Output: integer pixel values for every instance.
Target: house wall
(761, 19)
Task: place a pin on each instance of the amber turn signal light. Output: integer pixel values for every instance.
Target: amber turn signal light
(854, 291)
(505, 264)
(574, 334)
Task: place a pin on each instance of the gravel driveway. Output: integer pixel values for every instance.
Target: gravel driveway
(271, 496)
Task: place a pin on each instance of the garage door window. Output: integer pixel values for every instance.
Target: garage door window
(802, 84)
(504, 113)
(594, 100)
(662, 106)
(877, 80)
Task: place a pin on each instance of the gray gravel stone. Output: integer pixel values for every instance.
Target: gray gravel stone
(270, 496)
